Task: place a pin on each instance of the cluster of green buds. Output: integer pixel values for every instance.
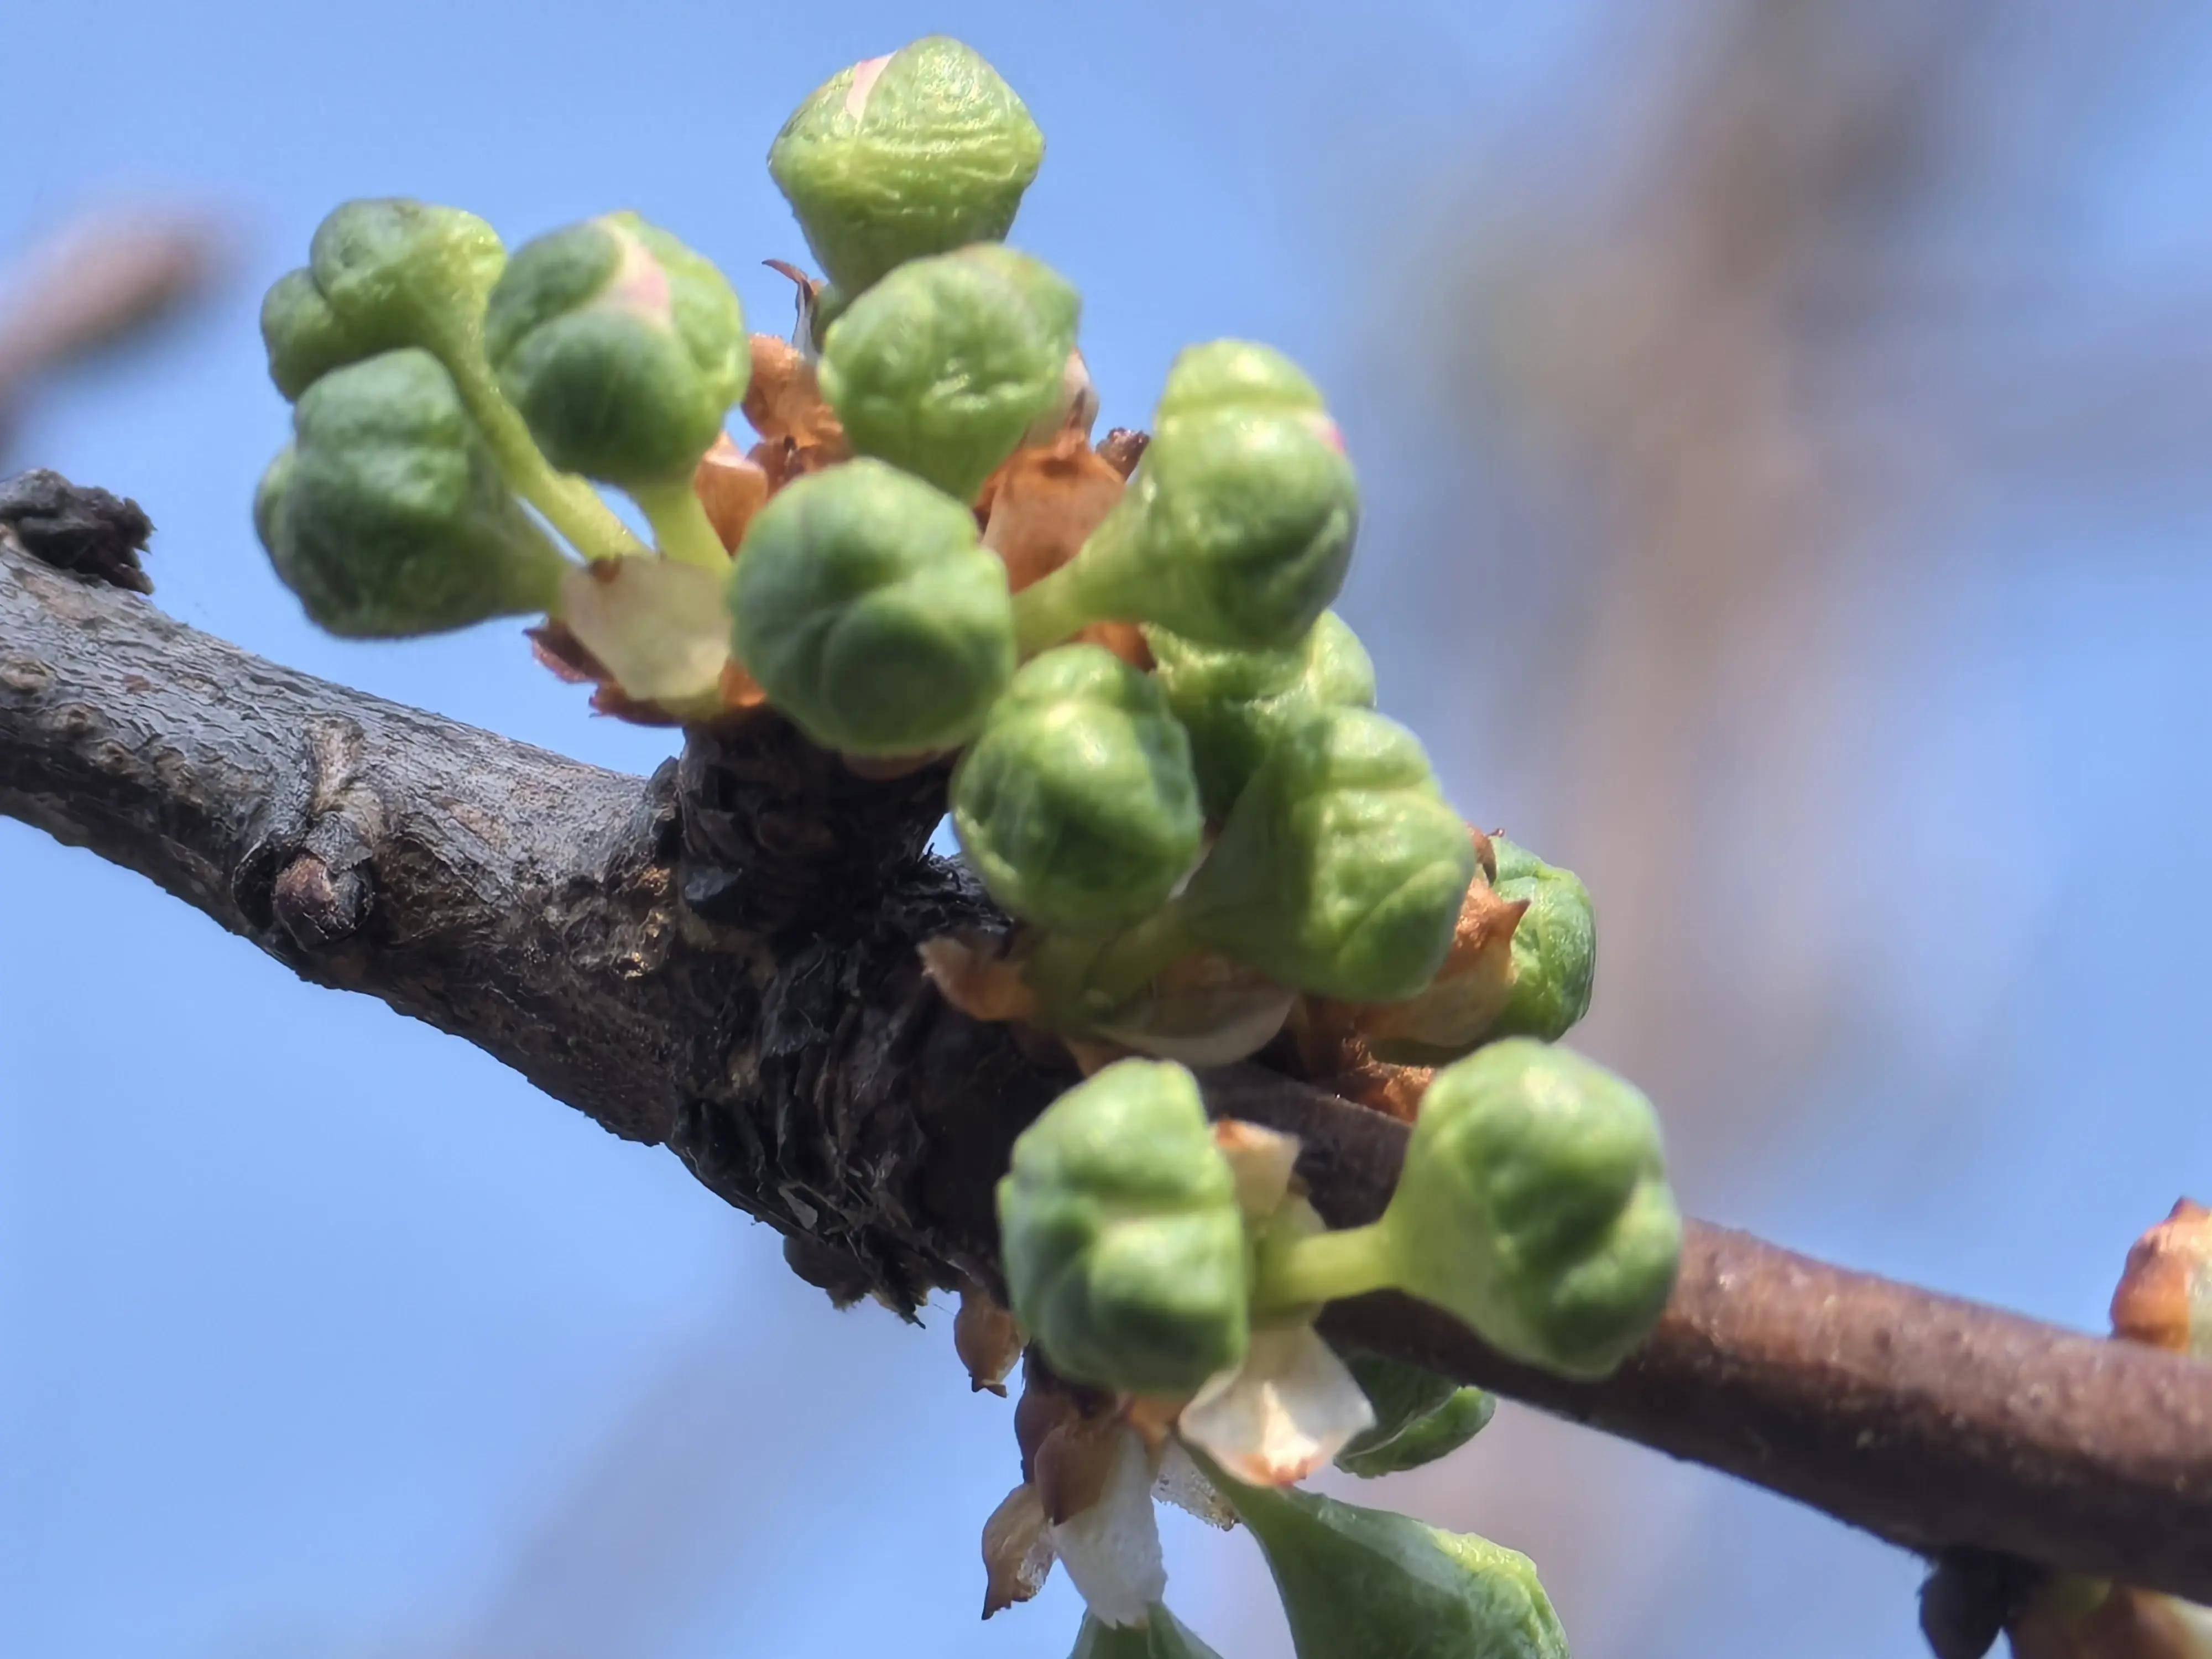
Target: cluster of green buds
(1218, 787)
(453, 408)
(1170, 773)
(1534, 1207)
(1176, 1266)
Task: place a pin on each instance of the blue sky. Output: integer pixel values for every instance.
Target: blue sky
(319, 1334)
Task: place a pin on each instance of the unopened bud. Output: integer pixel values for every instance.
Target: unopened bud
(2165, 1297)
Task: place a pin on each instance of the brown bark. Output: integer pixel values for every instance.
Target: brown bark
(723, 959)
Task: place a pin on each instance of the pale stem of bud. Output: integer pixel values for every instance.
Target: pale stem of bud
(681, 527)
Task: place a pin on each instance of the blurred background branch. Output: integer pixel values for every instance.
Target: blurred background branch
(103, 283)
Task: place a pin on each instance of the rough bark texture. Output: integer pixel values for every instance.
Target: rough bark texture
(722, 958)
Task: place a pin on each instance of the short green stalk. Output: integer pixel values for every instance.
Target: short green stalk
(1305, 1272)
(681, 527)
(569, 503)
(1049, 611)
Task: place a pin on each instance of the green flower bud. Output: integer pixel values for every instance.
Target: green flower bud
(623, 347)
(387, 273)
(942, 367)
(1235, 374)
(899, 157)
(387, 515)
(1418, 1417)
(1340, 870)
(269, 495)
(1554, 946)
(1076, 805)
(1237, 529)
(1361, 1584)
(1162, 1636)
(305, 337)
(870, 613)
(1236, 703)
(396, 273)
(1534, 1207)
(1123, 1244)
(384, 274)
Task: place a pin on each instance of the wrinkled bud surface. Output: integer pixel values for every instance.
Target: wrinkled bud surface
(306, 339)
(1554, 946)
(1340, 870)
(384, 274)
(1235, 703)
(870, 613)
(1418, 1417)
(1534, 1206)
(623, 347)
(1076, 804)
(900, 157)
(388, 516)
(1235, 374)
(1162, 1636)
(397, 272)
(1361, 1584)
(1124, 1249)
(943, 367)
(1237, 529)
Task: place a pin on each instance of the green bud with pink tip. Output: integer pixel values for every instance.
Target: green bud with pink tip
(624, 351)
(900, 157)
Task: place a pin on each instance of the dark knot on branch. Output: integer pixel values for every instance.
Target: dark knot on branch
(86, 532)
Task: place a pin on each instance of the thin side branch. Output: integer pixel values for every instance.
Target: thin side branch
(775, 1032)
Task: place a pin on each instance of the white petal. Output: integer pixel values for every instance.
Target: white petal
(1184, 1485)
(1289, 1409)
(1017, 1550)
(659, 627)
(1261, 1160)
(1215, 1026)
(1112, 1549)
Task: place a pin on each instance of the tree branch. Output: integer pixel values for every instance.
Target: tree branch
(775, 1030)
